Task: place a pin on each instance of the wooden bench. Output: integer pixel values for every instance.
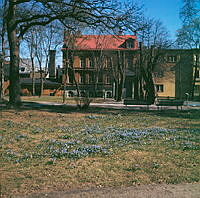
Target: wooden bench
(168, 101)
(129, 101)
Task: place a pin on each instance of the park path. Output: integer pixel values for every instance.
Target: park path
(143, 191)
(116, 105)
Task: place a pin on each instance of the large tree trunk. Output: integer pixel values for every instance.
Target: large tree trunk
(119, 91)
(150, 97)
(149, 85)
(120, 82)
(14, 88)
(136, 87)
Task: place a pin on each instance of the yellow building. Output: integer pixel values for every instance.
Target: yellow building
(178, 74)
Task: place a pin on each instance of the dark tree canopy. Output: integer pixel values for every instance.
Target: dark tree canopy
(94, 13)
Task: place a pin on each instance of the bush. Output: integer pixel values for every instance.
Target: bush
(83, 102)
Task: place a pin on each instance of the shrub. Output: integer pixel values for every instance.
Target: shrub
(83, 102)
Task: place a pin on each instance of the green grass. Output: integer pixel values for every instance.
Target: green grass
(45, 150)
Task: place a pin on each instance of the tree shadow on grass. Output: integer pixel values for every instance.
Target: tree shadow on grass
(72, 108)
(184, 114)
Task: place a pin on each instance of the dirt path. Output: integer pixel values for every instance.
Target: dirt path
(144, 191)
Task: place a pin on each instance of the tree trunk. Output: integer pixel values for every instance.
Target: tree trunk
(76, 83)
(150, 97)
(116, 89)
(119, 91)
(2, 79)
(2, 59)
(41, 84)
(149, 85)
(136, 87)
(33, 76)
(3, 49)
(14, 88)
(194, 78)
(64, 85)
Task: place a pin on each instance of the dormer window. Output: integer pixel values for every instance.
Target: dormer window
(130, 43)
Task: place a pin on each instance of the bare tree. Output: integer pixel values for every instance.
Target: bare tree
(153, 39)
(29, 39)
(188, 35)
(2, 49)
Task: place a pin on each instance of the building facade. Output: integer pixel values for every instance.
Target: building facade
(93, 64)
(90, 63)
(178, 76)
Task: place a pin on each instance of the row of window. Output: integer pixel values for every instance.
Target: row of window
(174, 59)
(83, 79)
(89, 63)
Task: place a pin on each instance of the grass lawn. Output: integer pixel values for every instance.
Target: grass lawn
(45, 150)
(57, 99)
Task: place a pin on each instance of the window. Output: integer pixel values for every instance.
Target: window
(91, 78)
(71, 76)
(100, 79)
(89, 63)
(196, 58)
(197, 90)
(171, 59)
(159, 88)
(82, 78)
(82, 62)
(130, 44)
(198, 73)
(106, 62)
(158, 74)
(22, 69)
(108, 81)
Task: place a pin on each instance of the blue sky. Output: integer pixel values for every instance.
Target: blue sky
(165, 10)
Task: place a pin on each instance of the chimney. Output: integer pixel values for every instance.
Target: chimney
(52, 64)
(141, 45)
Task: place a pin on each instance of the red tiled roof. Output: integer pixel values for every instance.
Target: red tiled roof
(106, 42)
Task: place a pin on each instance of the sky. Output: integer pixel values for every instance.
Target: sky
(167, 11)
